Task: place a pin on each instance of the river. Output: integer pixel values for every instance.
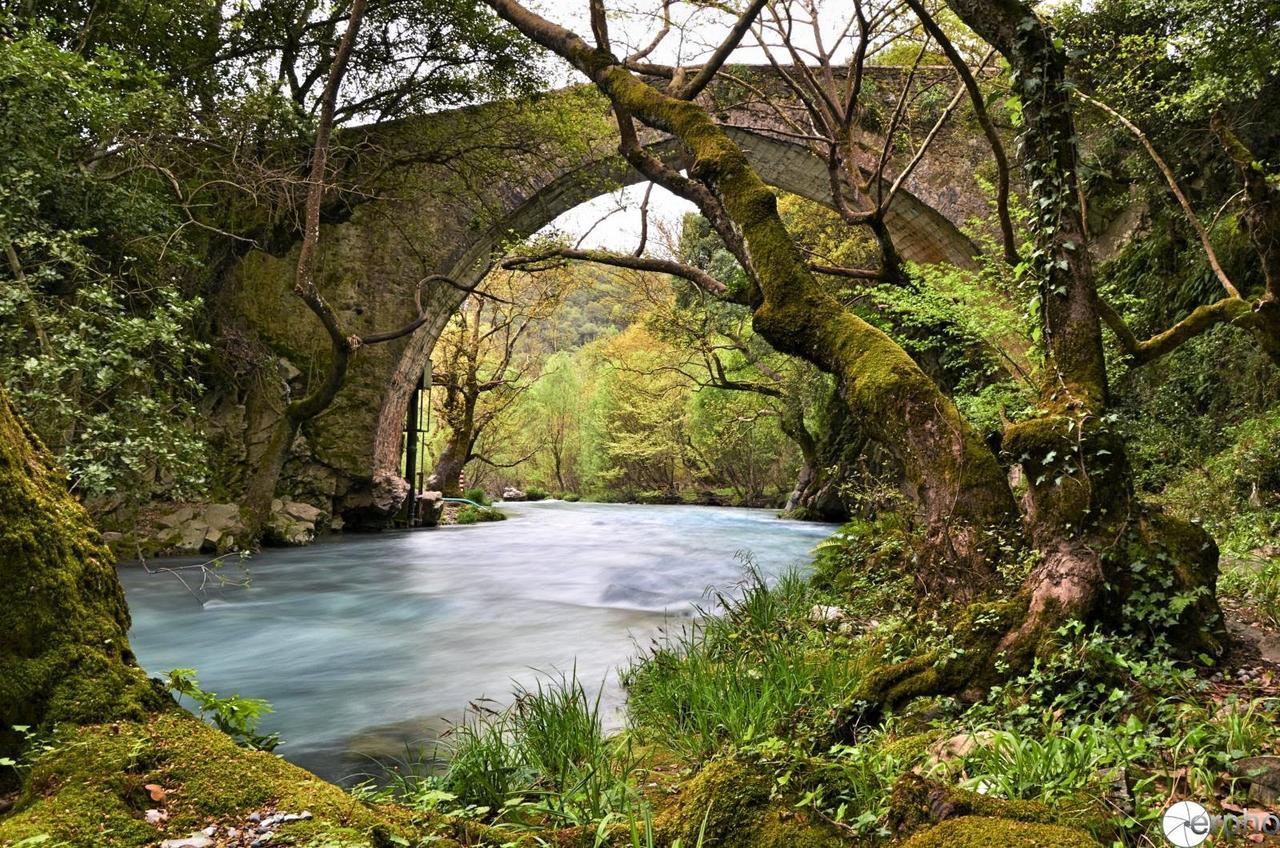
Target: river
(368, 644)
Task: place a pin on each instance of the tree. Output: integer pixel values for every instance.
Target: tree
(64, 648)
(484, 366)
(1077, 502)
(98, 302)
(556, 417)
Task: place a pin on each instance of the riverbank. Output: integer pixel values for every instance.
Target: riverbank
(180, 529)
(742, 731)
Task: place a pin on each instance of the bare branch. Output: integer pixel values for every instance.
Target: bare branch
(1172, 182)
(984, 120)
(708, 71)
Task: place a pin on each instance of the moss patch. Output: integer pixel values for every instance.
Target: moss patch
(735, 800)
(90, 790)
(980, 831)
(919, 807)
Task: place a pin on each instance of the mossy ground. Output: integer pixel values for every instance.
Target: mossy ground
(90, 790)
(980, 831)
(731, 801)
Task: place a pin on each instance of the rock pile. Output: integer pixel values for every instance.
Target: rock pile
(217, 529)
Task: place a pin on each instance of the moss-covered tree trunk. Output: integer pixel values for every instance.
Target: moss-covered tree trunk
(964, 499)
(1078, 509)
(64, 648)
(829, 455)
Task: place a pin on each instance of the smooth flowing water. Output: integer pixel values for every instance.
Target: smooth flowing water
(371, 643)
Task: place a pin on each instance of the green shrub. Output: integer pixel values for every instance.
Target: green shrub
(533, 493)
(571, 497)
(478, 495)
(471, 515)
(235, 716)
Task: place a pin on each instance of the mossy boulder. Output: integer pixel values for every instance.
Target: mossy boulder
(919, 807)
(732, 801)
(984, 831)
(91, 788)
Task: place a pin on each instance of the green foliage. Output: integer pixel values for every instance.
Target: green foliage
(757, 669)
(235, 716)
(1182, 59)
(96, 322)
(571, 497)
(1236, 492)
(862, 564)
(478, 495)
(535, 493)
(1257, 585)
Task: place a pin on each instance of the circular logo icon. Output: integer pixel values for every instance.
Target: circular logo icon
(1186, 824)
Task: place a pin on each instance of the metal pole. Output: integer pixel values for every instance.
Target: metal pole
(411, 452)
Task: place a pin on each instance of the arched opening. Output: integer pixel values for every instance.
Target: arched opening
(921, 233)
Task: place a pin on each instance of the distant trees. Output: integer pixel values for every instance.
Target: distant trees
(483, 364)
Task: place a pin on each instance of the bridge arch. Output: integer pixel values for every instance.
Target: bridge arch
(921, 234)
(466, 182)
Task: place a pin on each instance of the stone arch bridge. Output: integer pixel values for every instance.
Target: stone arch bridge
(463, 184)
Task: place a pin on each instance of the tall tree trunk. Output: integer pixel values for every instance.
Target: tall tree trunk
(1079, 506)
(64, 646)
(453, 459)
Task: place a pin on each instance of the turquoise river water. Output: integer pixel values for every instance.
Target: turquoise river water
(370, 645)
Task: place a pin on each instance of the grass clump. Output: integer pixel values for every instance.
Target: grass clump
(534, 493)
(478, 495)
(542, 762)
(571, 497)
(758, 669)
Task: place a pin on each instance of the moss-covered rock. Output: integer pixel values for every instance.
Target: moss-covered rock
(919, 806)
(731, 802)
(90, 789)
(983, 831)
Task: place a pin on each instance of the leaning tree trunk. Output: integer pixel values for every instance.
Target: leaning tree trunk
(1082, 517)
(64, 647)
(965, 503)
(447, 475)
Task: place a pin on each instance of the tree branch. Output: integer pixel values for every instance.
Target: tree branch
(707, 72)
(984, 120)
(1172, 181)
